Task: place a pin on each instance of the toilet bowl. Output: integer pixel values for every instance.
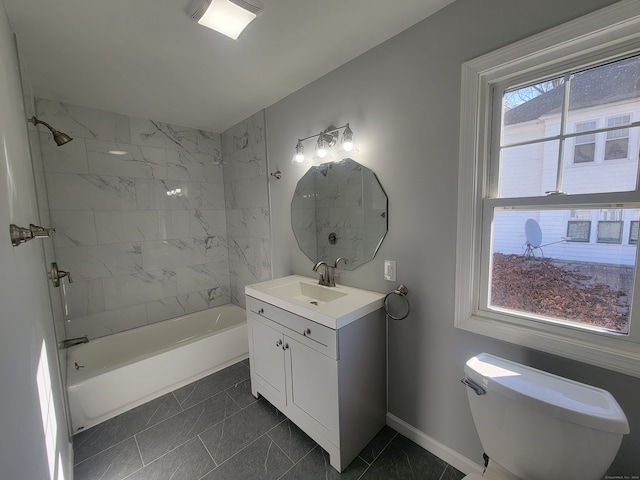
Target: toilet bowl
(537, 426)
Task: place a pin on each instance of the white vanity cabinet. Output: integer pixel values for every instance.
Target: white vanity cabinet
(329, 382)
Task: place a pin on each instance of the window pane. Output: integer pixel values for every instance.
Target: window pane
(522, 109)
(598, 175)
(538, 271)
(604, 89)
(528, 170)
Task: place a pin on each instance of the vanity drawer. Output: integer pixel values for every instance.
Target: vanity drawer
(312, 334)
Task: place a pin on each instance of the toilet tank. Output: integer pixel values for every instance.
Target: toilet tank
(540, 426)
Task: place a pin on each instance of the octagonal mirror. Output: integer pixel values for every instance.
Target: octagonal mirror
(339, 209)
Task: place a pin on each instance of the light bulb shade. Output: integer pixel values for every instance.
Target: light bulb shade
(347, 139)
(229, 17)
(321, 146)
(299, 155)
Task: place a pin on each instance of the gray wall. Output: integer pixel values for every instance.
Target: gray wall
(25, 314)
(402, 100)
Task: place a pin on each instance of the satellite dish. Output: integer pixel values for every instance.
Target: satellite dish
(533, 232)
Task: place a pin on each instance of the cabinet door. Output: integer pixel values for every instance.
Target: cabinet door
(312, 380)
(268, 360)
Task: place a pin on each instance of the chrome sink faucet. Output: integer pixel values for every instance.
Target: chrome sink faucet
(324, 278)
(328, 279)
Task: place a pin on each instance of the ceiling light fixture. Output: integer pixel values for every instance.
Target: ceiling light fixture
(229, 17)
(326, 139)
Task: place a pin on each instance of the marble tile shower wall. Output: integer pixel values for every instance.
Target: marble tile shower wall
(143, 233)
(247, 200)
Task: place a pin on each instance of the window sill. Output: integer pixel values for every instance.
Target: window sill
(623, 357)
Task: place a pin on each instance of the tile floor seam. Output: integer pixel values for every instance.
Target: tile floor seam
(293, 464)
(208, 452)
(274, 440)
(182, 411)
(301, 459)
(103, 450)
(236, 453)
(176, 399)
(369, 465)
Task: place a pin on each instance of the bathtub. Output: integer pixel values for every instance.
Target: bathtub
(125, 370)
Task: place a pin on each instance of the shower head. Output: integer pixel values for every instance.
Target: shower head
(58, 137)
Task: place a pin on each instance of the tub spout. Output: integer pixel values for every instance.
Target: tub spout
(70, 342)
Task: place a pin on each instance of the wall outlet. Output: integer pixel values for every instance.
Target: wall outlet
(390, 270)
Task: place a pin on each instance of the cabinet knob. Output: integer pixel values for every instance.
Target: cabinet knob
(279, 343)
(307, 332)
(286, 346)
(261, 311)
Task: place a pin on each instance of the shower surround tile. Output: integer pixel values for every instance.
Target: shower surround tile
(101, 261)
(125, 223)
(126, 226)
(138, 288)
(74, 228)
(90, 192)
(83, 298)
(247, 202)
(70, 159)
(82, 122)
(172, 307)
(108, 322)
(130, 161)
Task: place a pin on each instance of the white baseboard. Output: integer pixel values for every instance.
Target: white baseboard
(450, 456)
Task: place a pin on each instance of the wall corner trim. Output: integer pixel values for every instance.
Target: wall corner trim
(447, 454)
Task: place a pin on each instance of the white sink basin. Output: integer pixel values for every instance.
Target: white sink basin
(333, 307)
(307, 292)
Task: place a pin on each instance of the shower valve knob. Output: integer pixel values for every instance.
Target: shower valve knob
(55, 275)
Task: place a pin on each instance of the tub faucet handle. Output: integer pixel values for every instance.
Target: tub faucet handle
(56, 274)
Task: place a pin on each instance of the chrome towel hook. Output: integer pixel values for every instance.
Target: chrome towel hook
(402, 291)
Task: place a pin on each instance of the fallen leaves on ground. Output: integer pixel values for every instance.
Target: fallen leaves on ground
(538, 286)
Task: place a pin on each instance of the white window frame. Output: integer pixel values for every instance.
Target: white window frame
(607, 33)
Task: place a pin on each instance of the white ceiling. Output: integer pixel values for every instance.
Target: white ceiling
(147, 58)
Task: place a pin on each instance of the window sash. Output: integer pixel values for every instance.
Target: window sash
(613, 32)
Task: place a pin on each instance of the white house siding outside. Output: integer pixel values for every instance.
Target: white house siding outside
(531, 171)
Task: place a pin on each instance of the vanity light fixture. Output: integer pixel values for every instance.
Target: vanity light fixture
(229, 17)
(326, 139)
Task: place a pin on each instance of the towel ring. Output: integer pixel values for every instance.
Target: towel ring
(402, 291)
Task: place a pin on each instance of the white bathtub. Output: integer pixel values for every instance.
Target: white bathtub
(127, 369)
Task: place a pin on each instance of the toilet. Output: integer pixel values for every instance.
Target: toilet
(537, 426)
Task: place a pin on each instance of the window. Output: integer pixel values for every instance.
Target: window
(617, 144)
(585, 146)
(530, 270)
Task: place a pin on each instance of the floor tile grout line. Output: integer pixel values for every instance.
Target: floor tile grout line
(104, 450)
(182, 409)
(192, 437)
(141, 460)
(274, 440)
(377, 456)
(242, 449)
(192, 406)
(205, 447)
(293, 464)
(301, 459)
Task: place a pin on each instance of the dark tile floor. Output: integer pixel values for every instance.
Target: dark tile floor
(215, 429)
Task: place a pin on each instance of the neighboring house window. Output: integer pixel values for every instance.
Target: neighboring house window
(585, 146)
(633, 232)
(617, 144)
(529, 112)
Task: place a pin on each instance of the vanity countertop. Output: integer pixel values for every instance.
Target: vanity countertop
(333, 307)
